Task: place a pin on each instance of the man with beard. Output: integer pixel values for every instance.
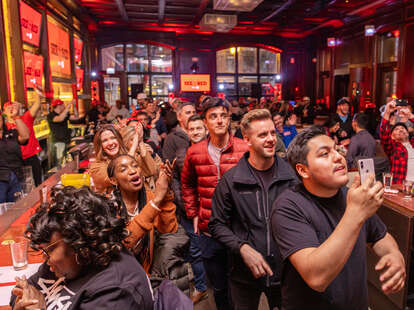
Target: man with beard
(240, 217)
(322, 229)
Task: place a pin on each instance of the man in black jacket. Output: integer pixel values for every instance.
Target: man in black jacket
(240, 217)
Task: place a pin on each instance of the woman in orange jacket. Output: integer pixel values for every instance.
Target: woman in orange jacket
(143, 209)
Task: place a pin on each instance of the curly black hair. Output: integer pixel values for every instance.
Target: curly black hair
(87, 221)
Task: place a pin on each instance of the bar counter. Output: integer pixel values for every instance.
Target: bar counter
(13, 224)
(397, 213)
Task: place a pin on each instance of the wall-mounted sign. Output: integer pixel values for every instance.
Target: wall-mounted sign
(79, 79)
(30, 21)
(59, 52)
(195, 82)
(33, 69)
(78, 45)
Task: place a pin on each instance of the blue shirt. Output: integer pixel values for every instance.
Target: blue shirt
(289, 132)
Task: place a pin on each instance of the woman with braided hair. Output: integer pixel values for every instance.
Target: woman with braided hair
(86, 266)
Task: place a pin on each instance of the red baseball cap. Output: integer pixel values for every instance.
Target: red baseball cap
(7, 104)
(57, 102)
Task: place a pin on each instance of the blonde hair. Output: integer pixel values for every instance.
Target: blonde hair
(127, 133)
(253, 115)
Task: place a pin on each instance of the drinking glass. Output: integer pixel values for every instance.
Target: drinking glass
(407, 188)
(19, 253)
(387, 180)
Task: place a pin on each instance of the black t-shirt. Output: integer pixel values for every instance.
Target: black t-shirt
(10, 156)
(264, 176)
(93, 115)
(301, 220)
(59, 130)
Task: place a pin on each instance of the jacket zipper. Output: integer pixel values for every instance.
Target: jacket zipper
(258, 205)
(266, 216)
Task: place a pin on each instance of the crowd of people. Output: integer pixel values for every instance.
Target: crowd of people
(254, 196)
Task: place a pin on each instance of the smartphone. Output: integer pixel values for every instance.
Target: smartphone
(366, 168)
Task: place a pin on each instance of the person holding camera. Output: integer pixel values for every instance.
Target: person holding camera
(397, 143)
(322, 229)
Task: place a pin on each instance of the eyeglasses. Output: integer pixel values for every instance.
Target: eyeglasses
(46, 249)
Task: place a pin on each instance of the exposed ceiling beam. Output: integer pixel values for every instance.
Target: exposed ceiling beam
(121, 9)
(200, 11)
(277, 11)
(161, 10)
(155, 15)
(189, 9)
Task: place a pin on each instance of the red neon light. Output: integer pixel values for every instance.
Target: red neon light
(30, 22)
(33, 69)
(79, 79)
(246, 22)
(292, 60)
(78, 46)
(396, 33)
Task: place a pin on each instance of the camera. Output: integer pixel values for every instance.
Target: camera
(401, 102)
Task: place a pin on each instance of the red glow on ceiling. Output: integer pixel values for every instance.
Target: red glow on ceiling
(174, 25)
(263, 28)
(269, 48)
(336, 23)
(246, 22)
(108, 22)
(314, 19)
(92, 27)
(297, 35)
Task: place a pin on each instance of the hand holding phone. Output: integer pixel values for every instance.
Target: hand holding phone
(366, 168)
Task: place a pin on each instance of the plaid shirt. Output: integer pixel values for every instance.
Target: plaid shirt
(396, 152)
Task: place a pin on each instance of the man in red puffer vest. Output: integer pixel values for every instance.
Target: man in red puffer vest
(204, 165)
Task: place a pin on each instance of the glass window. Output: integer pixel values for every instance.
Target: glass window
(160, 84)
(247, 59)
(161, 59)
(245, 85)
(269, 85)
(137, 84)
(269, 62)
(226, 60)
(113, 57)
(388, 49)
(112, 89)
(225, 84)
(137, 58)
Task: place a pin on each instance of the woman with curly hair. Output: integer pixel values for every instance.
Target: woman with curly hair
(108, 144)
(86, 266)
(143, 209)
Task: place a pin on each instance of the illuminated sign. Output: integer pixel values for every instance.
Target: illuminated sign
(30, 21)
(195, 82)
(59, 52)
(78, 45)
(79, 79)
(33, 69)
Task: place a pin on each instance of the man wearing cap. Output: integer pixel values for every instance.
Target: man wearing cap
(32, 148)
(397, 144)
(204, 165)
(58, 124)
(342, 110)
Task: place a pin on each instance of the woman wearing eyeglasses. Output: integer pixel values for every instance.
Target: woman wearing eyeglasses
(86, 265)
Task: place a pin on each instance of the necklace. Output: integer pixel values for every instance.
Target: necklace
(136, 211)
